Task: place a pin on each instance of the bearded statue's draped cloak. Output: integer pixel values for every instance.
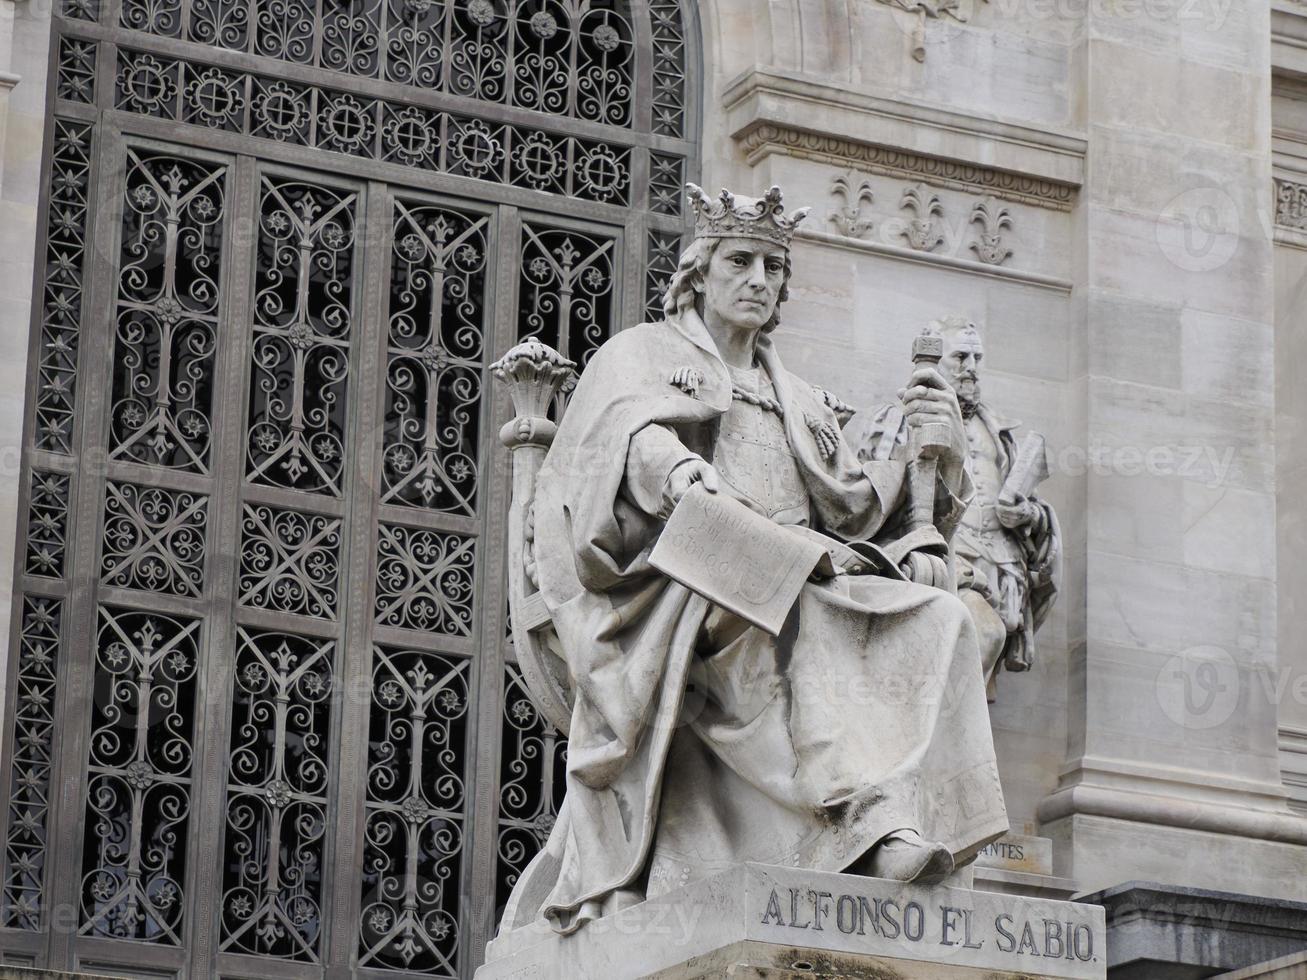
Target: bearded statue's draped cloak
(915, 751)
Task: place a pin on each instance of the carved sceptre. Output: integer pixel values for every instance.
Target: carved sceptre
(928, 558)
(927, 441)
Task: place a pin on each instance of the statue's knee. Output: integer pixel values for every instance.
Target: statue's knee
(949, 607)
(991, 634)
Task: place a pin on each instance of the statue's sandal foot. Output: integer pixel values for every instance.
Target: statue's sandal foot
(905, 856)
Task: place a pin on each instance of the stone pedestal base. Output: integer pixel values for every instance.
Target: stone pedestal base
(757, 921)
(1165, 932)
(23, 973)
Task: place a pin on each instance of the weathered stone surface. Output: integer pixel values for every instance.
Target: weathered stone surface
(1008, 546)
(1285, 968)
(780, 922)
(1019, 852)
(1163, 932)
(21, 973)
(743, 709)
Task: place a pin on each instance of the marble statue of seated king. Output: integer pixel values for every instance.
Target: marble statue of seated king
(856, 739)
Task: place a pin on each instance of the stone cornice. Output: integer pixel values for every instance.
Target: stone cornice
(1293, 765)
(772, 112)
(1289, 38)
(1174, 797)
(932, 258)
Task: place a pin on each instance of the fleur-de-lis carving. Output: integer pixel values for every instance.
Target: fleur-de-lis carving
(924, 233)
(848, 217)
(993, 218)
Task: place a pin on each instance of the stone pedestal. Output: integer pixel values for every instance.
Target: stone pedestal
(1163, 932)
(20, 973)
(1285, 968)
(1018, 864)
(757, 921)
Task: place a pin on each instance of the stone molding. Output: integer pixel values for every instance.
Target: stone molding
(771, 112)
(1289, 38)
(905, 254)
(1293, 766)
(1171, 811)
(1286, 968)
(1166, 930)
(1174, 797)
(20, 973)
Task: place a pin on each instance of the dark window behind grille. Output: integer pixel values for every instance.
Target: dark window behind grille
(264, 719)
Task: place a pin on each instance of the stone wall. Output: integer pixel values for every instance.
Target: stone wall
(1132, 323)
(827, 99)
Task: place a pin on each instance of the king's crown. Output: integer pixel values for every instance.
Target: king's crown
(729, 216)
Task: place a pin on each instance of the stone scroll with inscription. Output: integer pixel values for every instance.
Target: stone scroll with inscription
(736, 558)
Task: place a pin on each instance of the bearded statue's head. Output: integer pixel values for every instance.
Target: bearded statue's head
(963, 352)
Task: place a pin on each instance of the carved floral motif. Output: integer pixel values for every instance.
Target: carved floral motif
(993, 218)
(924, 233)
(849, 217)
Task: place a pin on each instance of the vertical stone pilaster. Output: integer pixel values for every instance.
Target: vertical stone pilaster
(1174, 683)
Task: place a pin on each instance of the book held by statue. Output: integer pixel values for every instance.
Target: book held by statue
(736, 558)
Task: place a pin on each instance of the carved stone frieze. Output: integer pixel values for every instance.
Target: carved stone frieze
(1291, 205)
(929, 226)
(769, 138)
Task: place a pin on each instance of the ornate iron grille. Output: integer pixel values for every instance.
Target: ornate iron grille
(264, 718)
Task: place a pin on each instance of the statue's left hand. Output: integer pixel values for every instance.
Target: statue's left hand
(1013, 516)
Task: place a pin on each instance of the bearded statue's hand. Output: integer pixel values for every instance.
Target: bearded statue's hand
(928, 400)
(1018, 515)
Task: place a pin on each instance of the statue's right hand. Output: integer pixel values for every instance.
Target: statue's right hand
(692, 471)
(686, 475)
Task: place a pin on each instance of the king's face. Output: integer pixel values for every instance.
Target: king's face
(743, 283)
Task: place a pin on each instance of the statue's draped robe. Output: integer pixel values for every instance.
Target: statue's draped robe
(697, 740)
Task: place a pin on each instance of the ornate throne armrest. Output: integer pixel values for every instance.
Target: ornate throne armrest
(537, 377)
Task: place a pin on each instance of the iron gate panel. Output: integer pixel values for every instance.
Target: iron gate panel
(264, 718)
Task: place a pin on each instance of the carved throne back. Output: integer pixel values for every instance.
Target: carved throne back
(537, 378)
